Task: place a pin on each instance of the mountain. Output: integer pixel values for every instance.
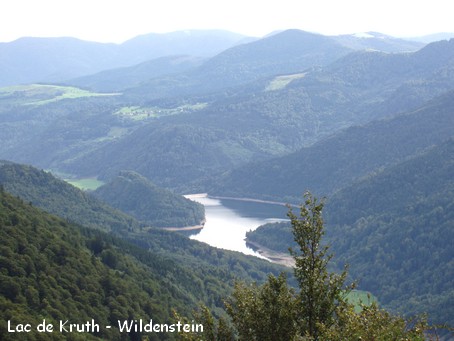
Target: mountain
(177, 140)
(283, 52)
(433, 37)
(58, 271)
(267, 118)
(379, 42)
(394, 229)
(63, 270)
(123, 78)
(202, 43)
(335, 162)
(31, 60)
(289, 51)
(135, 195)
(62, 273)
(41, 189)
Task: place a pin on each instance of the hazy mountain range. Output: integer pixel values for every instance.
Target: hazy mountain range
(31, 60)
(359, 118)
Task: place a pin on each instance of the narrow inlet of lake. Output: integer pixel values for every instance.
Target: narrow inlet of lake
(228, 220)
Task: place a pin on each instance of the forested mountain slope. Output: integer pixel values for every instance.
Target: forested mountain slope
(58, 197)
(275, 116)
(119, 79)
(179, 141)
(351, 154)
(281, 53)
(394, 229)
(135, 195)
(57, 271)
(289, 51)
(217, 268)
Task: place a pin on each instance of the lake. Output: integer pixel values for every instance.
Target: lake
(228, 220)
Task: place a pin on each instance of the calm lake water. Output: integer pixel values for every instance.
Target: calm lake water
(227, 221)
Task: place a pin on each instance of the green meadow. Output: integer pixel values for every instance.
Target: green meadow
(39, 94)
(86, 183)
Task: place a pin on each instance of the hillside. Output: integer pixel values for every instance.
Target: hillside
(119, 79)
(31, 60)
(394, 228)
(217, 267)
(56, 196)
(186, 139)
(335, 162)
(272, 117)
(57, 271)
(135, 195)
(285, 52)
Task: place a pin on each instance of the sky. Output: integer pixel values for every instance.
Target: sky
(119, 20)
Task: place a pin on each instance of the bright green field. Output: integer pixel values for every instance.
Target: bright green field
(281, 82)
(356, 297)
(86, 183)
(137, 113)
(39, 94)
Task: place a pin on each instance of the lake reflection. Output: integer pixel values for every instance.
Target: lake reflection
(227, 221)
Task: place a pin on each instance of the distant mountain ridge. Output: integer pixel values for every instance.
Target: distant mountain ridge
(379, 42)
(123, 78)
(31, 60)
(282, 52)
(272, 116)
(335, 162)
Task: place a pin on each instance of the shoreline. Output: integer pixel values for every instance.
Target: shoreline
(273, 256)
(249, 200)
(184, 228)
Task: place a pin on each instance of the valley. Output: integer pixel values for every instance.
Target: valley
(365, 122)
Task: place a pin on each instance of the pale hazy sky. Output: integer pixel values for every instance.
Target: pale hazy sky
(119, 20)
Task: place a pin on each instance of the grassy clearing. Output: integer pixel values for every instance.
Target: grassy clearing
(86, 183)
(39, 94)
(136, 113)
(281, 82)
(358, 297)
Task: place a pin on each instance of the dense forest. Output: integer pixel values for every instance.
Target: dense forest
(58, 271)
(394, 228)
